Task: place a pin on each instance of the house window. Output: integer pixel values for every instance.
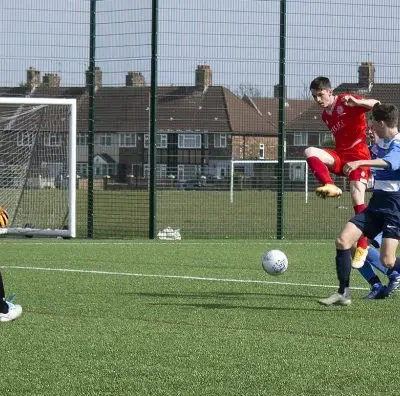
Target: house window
(297, 172)
(161, 171)
(105, 139)
(205, 140)
(324, 138)
(53, 169)
(82, 169)
(261, 151)
(127, 139)
(53, 140)
(188, 172)
(101, 170)
(300, 139)
(81, 139)
(189, 141)
(220, 140)
(161, 140)
(181, 172)
(25, 139)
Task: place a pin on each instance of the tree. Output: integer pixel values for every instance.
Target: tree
(248, 90)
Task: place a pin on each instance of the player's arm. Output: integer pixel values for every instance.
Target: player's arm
(375, 163)
(351, 101)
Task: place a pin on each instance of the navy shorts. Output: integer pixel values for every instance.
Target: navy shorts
(381, 215)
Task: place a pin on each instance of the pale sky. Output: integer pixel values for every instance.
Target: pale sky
(238, 39)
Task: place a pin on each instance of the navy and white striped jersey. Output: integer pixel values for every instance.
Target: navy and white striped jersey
(387, 179)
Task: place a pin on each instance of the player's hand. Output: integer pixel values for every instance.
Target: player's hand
(350, 166)
(350, 101)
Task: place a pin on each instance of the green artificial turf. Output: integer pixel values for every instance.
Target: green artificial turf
(189, 318)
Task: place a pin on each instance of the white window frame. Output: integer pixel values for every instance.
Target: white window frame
(103, 169)
(82, 169)
(53, 169)
(127, 139)
(220, 140)
(52, 140)
(105, 139)
(161, 171)
(205, 140)
(300, 139)
(25, 139)
(323, 137)
(81, 139)
(180, 172)
(297, 171)
(189, 140)
(161, 140)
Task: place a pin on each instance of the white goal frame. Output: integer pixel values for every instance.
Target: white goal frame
(71, 217)
(233, 162)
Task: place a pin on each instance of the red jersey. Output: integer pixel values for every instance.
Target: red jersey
(347, 123)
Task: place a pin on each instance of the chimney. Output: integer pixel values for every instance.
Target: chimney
(203, 77)
(135, 79)
(98, 77)
(32, 77)
(366, 74)
(276, 91)
(51, 80)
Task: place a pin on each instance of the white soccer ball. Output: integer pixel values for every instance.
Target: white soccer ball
(274, 262)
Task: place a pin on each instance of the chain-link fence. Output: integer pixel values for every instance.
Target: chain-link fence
(232, 76)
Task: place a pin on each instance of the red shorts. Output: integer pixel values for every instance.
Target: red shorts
(356, 153)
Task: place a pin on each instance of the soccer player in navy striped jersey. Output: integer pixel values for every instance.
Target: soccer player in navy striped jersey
(383, 211)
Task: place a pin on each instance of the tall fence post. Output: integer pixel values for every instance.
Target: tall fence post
(281, 122)
(91, 115)
(153, 122)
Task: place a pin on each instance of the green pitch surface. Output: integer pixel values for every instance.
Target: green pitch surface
(189, 318)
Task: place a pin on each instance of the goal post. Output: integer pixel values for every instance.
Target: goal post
(297, 173)
(38, 165)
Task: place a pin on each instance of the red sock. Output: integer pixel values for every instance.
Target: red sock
(362, 242)
(359, 208)
(320, 170)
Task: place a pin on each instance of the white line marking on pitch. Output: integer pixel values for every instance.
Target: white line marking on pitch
(200, 278)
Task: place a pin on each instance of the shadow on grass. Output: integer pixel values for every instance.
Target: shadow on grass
(222, 295)
(245, 307)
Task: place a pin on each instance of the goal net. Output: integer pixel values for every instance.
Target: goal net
(264, 175)
(37, 165)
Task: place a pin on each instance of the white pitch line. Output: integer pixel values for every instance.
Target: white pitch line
(200, 278)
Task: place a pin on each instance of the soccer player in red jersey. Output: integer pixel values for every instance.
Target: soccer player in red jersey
(344, 115)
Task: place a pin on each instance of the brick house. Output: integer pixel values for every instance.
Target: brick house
(201, 128)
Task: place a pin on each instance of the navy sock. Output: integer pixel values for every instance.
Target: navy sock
(374, 279)
(343, 268)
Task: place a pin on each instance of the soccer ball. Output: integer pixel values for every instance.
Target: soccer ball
(274, 262)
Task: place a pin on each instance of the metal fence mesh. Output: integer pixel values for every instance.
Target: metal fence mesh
(218, 101)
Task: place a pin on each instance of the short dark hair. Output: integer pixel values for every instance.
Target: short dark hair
(386, 112)
(320, 83)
